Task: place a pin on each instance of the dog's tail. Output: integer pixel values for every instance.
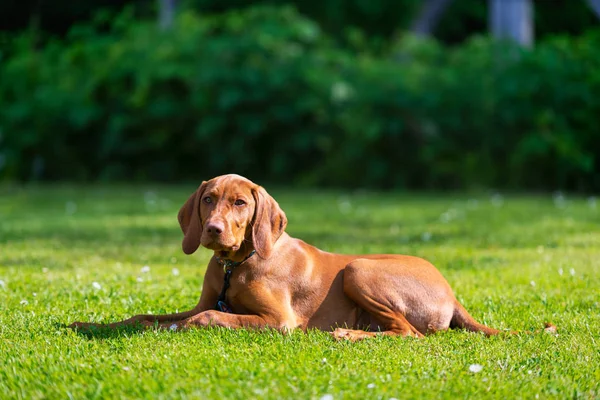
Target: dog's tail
(463, 320)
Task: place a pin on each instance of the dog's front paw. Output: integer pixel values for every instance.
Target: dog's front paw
(341, 334)
(550, 328)
(351, 334)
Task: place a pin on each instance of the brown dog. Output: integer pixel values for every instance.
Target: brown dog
(261, 277)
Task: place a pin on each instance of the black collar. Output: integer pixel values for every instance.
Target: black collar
(228, 266)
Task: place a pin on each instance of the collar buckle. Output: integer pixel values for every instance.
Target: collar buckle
(228, 267)
(229, 264)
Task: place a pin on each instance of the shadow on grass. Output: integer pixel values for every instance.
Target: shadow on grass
(105, 332)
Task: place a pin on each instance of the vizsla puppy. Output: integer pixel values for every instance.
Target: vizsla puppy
(261, 277)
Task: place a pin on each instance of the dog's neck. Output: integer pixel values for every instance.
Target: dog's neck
(229, 265)
(244, 253)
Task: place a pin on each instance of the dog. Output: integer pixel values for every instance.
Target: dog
(260, 277)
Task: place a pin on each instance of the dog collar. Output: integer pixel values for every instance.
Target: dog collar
(228, 264)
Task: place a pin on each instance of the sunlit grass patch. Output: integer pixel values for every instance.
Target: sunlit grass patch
(102, 253)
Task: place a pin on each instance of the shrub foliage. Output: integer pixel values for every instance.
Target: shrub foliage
(264, 92)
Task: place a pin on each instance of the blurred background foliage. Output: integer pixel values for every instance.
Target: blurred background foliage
(330, 93)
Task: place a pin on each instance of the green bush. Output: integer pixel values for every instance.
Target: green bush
(263, 92)
(553, 115)
(213, 94)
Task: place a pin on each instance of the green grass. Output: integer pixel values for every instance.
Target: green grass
(514, 262)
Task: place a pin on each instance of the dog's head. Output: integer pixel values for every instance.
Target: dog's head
(228, 212)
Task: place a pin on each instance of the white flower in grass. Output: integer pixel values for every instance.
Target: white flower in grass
(96, 285)
(451, 215)
(497, 200)
(145, 269)
(560, 271)
(572, 271)
(344, 205)
(473, 204)
(475, 368)
(139, 279)
(559, 200)
(70, 207)
(326, 397)
(175, 272)
(151, 201)
(125, 368)
(532, 283)
(445, 218)
(24, 302)
(2, 284)
(370, 386)
(540, 249)
(150, 198)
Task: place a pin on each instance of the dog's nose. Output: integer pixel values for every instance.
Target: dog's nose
(215, 228)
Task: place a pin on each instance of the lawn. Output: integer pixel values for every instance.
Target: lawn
(102, 253)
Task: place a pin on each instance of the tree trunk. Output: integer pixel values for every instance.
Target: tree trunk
(428, 17)
(595, 6)
(166, 11)
(512, 19)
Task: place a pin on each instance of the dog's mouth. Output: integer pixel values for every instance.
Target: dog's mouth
(227, 253)
(223, 253)
(221, 250)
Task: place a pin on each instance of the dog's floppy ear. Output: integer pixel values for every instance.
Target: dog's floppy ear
(190, 222)
(269, 222)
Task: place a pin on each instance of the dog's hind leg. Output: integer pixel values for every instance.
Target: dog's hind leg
(403, 299)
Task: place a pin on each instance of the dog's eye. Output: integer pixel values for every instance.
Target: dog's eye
(239, 202)
(207, 200)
